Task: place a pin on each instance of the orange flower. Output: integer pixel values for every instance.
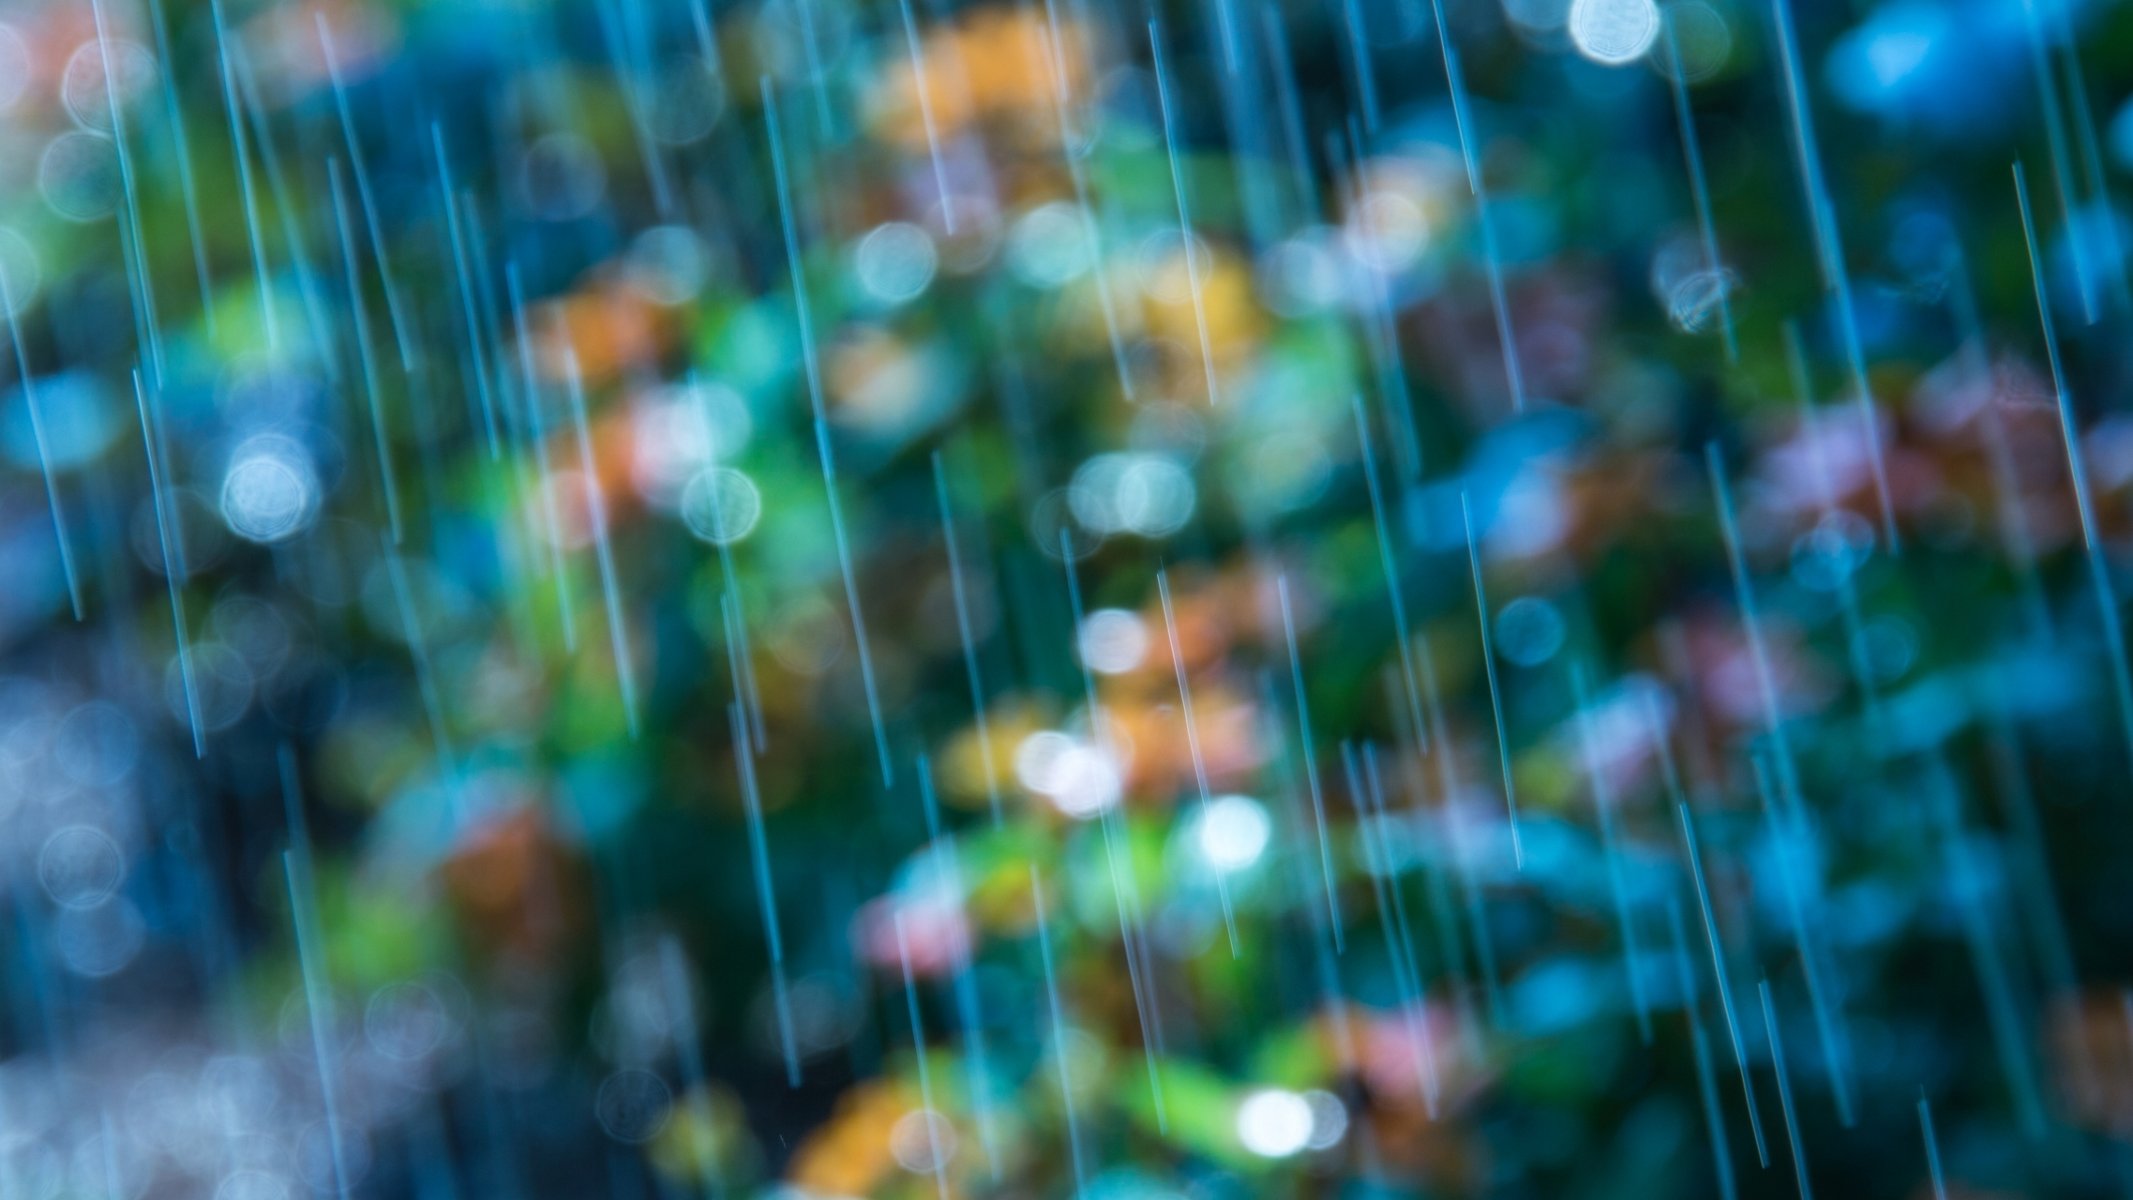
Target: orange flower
(610, 327)
(285, 39)
(998, 67)
(1226, 301)
(514, 886)
(851, 1154)
(2091, 1046)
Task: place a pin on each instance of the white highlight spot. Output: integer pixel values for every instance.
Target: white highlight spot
(1273, 1123)
(1144, 494)
(633, 1105)
(895, 263)
(923, 1141)
(1329, 1119)
(1049, 246)
(1113, 641)
(721, 505)
(1613, 32)
(1233, 832)
(1080, 779)
(270, 491)
(80, 866)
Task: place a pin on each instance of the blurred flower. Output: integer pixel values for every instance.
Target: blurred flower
(996, 66)
(851, 1153)
(515, 886)
(928, 907)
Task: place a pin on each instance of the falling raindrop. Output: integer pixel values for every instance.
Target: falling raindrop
(1693, 292)
(1698, 299)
